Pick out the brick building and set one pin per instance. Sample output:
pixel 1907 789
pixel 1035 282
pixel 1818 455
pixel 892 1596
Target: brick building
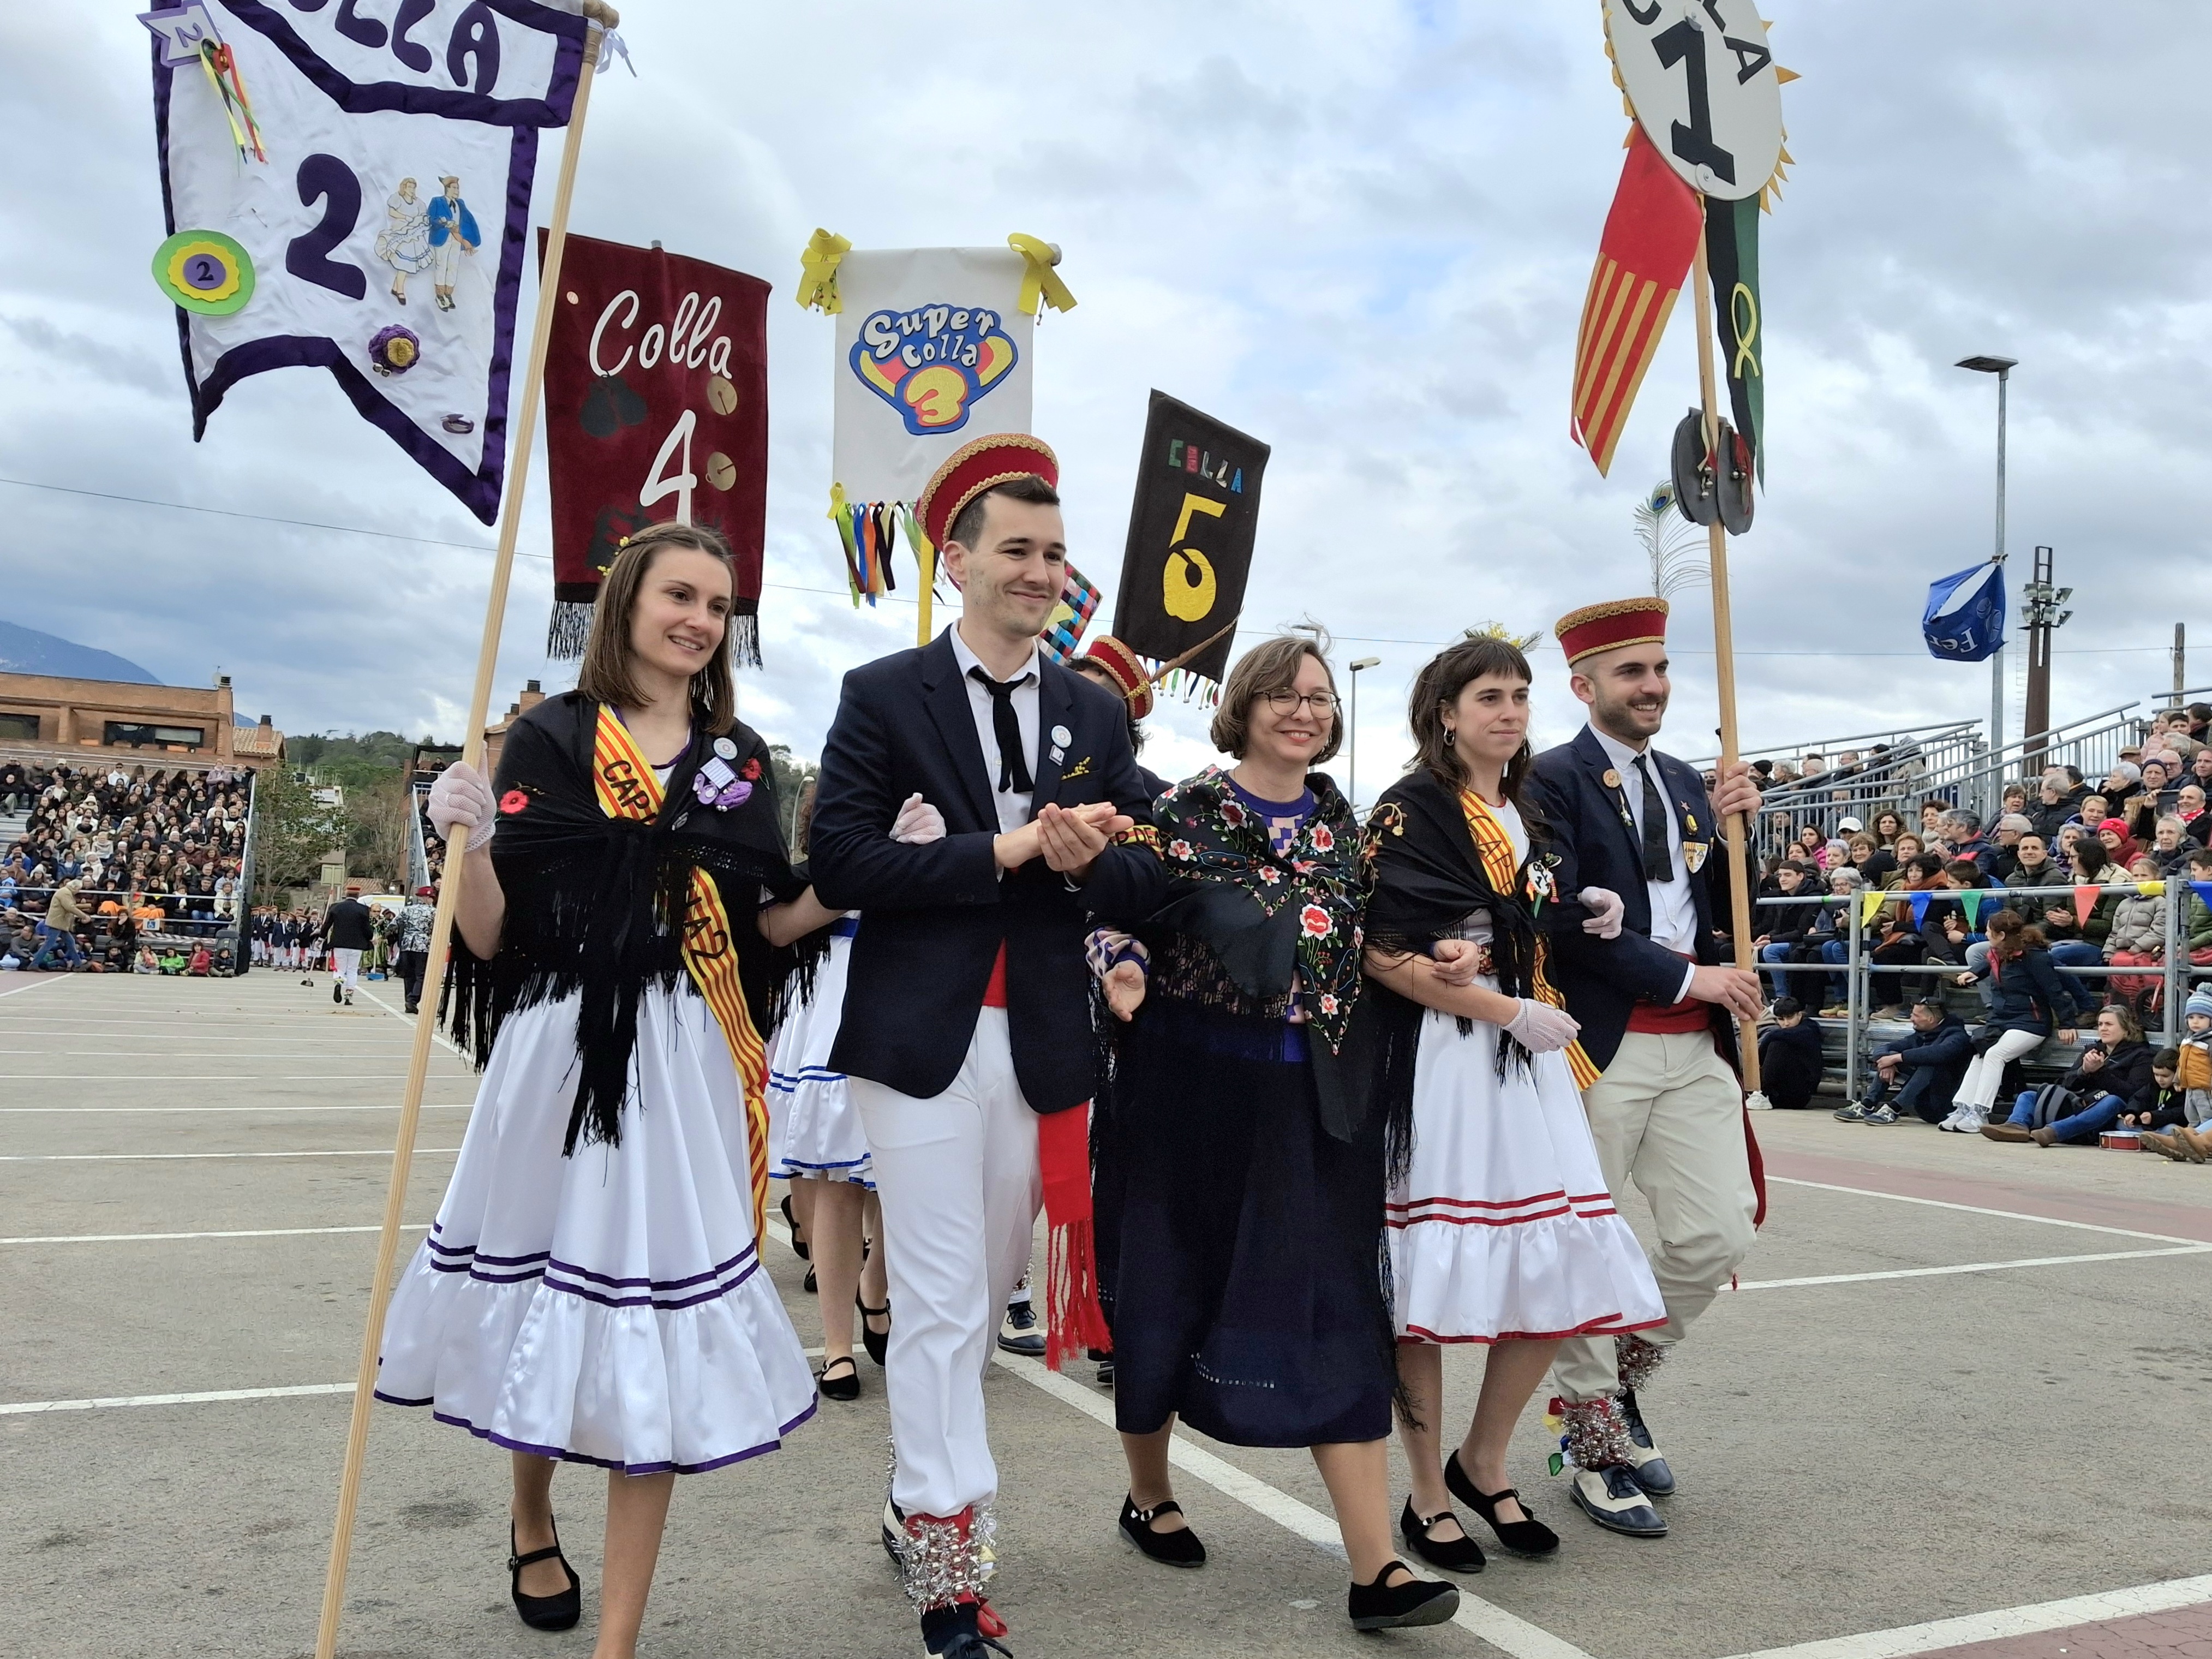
pixel 157 725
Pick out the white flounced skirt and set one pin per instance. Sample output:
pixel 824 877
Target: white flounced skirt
pixel 818 1128
pixel 1503 1229
pixel 608 1308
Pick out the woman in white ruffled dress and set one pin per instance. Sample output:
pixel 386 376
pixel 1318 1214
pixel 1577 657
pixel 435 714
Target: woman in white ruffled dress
pixel 1500 1230
pixel 592 1288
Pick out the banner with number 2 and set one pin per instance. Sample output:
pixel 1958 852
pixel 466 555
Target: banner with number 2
pixel 352 192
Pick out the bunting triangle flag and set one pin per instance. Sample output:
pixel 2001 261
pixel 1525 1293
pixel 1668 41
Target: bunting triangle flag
pixel 2085 901
pixel 2203 890
pixel 1868 903
pixel 1971 898
pixel 1919 908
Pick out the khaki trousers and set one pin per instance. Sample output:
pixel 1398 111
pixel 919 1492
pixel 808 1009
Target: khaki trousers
pixel 1668 1114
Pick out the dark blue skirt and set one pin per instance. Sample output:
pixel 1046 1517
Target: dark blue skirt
pixel 1247 1291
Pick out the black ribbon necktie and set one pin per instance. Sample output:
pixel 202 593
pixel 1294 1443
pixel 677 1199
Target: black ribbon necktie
pixel 1013 765
pixel 1658 857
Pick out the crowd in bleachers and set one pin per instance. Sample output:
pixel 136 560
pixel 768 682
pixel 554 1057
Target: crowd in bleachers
pixel 1997 920
pixel 121 868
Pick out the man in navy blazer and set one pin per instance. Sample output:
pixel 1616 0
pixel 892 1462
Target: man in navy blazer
pixel 1655 1057
pixel 966 1013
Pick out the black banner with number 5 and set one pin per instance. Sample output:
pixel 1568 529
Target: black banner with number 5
pixel 1191 531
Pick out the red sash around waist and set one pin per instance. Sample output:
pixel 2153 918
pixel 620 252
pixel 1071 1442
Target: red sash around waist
pixel 994 993
pixel 1670 1018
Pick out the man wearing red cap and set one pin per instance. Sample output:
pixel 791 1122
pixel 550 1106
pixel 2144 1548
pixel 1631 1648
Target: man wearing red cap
pixel 1655 1057
pixel 966 1033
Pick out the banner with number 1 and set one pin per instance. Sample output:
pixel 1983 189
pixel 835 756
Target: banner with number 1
pixel 350 189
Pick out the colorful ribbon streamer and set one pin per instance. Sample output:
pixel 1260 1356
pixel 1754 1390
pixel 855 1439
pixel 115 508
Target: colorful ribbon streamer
pixel 1040 281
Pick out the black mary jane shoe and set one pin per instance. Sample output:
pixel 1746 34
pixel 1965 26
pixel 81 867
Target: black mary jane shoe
pixel 798 1244
pixel 847 1387
pixel 1528 1536
pixel 1169 1549
pixel 1460 1554
pixel 559 1612
pixel 1385 1605
pixel 878 1343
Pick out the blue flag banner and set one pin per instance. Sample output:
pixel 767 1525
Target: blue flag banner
pixel 2203 890
pixel 1966 615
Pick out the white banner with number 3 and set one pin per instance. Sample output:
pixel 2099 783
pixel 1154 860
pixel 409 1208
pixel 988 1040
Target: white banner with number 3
pixel 386 228
pixel 933 351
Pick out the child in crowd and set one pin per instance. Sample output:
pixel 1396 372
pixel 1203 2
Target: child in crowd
pixel 2166 1111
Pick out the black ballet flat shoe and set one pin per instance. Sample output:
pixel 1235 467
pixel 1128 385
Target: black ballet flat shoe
pixel 1524 1537
pixel 559 1612
pixel 1460 1554
pixel 1410 1601
pixel 813 1285
pixel 798 1244
pixel 847 1387
pixel 875 1341
pixel 1169 1549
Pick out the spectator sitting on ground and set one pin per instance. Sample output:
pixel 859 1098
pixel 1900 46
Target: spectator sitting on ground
pixel 19 939
pixel 2168 1112
pixel 1789 1062
pixel 201 960
pixel 1931 1059
pixel 146 962
pixel 2112 1076
pixel 172 961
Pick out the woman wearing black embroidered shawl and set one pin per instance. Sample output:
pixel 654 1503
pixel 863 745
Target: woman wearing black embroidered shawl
pixel 590 1289
pixel 1501 1231
pixel 1245 1174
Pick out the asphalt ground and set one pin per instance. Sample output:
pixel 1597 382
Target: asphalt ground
pixel 1959 1400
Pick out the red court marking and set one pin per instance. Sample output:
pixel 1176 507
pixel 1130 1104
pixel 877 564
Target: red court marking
pixel 2182 1633
pixel 1992 1191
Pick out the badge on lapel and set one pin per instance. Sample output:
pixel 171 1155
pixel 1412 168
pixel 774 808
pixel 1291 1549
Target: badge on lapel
pixel 1611 780
pixel 1080 769
pixel 1693 854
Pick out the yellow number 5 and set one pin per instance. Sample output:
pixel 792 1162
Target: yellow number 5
pixel 1187 585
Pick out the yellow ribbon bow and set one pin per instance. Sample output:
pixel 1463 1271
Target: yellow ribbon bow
pixel 1040 281
pixel 817 279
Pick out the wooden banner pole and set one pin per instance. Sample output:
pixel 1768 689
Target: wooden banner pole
pixel 1735 829
pixel 1196 650
pixel 601 17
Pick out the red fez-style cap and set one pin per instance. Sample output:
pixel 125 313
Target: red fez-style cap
pixel 1128 674
pixel 974 467
pixel 1608 626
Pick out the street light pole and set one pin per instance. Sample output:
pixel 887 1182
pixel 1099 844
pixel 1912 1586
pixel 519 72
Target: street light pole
pixel 1352 769
pixel 2001 368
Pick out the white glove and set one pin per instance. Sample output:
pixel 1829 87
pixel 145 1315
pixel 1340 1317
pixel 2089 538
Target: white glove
pixel 1605 909
pixel 461 796
pixel 918 823
pixel 1540 1028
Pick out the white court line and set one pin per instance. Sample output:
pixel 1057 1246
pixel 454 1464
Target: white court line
pixel 18 990
pixel 146 1158
pixel 1941 1633
pixel 89 1111
pixel 258 1232
pixel 1969 1268
pixel 1507 1631
pixel 1977 1209
pixel 408 1020
pixel 27 1407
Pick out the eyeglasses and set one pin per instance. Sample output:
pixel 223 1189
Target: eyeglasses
pixel 1284 701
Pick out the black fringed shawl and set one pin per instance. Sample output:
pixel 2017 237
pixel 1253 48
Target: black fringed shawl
pixel 1428 877
pixel 595 903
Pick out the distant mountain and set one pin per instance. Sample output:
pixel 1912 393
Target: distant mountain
pixel 27 651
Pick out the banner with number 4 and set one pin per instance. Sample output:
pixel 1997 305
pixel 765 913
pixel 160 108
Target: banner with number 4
pixel 349 187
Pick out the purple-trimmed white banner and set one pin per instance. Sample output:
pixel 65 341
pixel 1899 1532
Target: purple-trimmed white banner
pixel 384 233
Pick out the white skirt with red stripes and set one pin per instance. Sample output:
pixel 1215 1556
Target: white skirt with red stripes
pixel 1502 1228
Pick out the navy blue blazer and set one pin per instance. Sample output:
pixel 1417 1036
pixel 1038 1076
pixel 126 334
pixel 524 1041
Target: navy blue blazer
pixel 932 917
pixel 1594 835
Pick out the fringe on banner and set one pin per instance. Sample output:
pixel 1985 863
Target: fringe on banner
pixel 568 628
pixel 868 531
pixel 1182 683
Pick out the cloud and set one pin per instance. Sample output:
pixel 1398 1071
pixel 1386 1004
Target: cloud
pixel 1362 235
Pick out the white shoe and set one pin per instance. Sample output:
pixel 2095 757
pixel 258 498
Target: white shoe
pixel 1971 1122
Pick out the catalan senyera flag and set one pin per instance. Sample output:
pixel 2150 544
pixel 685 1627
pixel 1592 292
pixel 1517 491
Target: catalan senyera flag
pixel 1651 238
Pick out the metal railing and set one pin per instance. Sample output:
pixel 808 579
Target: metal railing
pixel 2174 971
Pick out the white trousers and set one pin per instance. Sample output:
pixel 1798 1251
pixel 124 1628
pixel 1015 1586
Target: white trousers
pixel 958 1181
pixel 346 965
pixel 1668 1114
pixel 1978 1088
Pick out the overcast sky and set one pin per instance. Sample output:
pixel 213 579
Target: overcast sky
pixel 1361 233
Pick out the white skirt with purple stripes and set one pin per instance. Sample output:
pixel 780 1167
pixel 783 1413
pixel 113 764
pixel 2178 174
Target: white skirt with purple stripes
pixel 609 1307
pixel 817 1132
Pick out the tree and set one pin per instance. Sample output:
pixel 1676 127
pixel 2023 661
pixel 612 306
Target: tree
pixel 792 778
pixel 291 831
